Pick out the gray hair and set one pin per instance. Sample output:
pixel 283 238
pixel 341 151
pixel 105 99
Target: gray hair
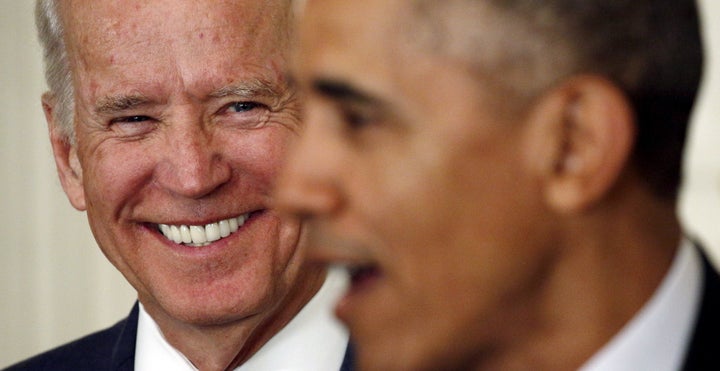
pixel 57 68
pixel 651 49
pixel 520 55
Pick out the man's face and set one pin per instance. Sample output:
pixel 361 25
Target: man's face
pixel 182 117
pixel 414 173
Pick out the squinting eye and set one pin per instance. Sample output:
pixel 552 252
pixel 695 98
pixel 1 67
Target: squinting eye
pixel 356 120
pixel 243 106
pixel 243 115
pixel 130 119
pixel 133 126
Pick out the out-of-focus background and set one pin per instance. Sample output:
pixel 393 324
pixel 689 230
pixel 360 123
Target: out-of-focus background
pixel 55 285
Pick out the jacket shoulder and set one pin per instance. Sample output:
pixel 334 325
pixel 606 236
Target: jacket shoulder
pixel 97 351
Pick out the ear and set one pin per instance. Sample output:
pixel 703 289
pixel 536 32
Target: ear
pixel 65 154
pixel 587 131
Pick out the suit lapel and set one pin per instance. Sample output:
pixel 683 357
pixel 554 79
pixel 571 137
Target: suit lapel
pixel 123 354
pixel 349 359
pixel 703 348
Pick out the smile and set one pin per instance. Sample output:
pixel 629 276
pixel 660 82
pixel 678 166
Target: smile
pixel 202 235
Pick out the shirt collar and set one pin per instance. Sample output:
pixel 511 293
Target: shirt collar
pixel 312 341
pixel 657 337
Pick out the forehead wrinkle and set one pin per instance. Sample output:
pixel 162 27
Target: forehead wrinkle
pixel 99 49
pixel 102 35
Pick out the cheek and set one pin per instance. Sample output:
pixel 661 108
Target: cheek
pixel 411 220
pixel 446 219
pixel 258 156
pixel 290 261
pixel 414 203
pixel 115 173
pixel 261 152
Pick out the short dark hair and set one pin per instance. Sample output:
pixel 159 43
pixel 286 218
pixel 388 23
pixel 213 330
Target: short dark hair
pixel 651 49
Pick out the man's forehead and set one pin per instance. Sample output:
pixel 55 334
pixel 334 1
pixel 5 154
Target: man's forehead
pixel 368 15
pixel 221 34
pixel 341 52
pixel 108 23
pixel 167 47
pixel 333 36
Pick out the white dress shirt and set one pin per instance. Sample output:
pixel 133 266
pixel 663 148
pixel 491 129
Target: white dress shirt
pixel 312 341
pixel 656 339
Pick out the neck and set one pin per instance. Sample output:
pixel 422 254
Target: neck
pixel 607 264
pixel 226 346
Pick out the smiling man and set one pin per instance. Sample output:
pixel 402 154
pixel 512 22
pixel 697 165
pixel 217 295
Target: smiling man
pixel 168 122
pixel 500 178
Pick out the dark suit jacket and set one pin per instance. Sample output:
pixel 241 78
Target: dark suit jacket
pixel 114 348
pixel 109 349
pixel 704 348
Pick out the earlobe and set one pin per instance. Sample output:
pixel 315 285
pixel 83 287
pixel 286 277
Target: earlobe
pixel 65 154
pixel 592 141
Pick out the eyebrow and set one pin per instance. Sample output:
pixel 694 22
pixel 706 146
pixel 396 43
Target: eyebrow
pixel 114 104
pixel 248 89
pixel 344 92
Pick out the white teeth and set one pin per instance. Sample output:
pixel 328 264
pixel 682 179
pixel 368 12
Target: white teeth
pixel 224 226
pixel 175 234
pixel 212 231
pixel 198 235
pixel 185 234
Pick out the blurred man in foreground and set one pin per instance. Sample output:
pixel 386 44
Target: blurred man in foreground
pixel 168 121
pixel 500 179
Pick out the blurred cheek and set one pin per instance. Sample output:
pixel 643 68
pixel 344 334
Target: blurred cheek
pixel 262 152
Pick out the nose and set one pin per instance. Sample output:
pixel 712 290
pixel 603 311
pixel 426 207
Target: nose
pixel 195 165
pixel 309 185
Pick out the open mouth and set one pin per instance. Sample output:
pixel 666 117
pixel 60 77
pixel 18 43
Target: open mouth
pixel 203 235
pixel 362 276
pixel 364 280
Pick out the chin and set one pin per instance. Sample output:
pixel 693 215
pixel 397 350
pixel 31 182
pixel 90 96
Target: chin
pixel 212 308
pixel 214 315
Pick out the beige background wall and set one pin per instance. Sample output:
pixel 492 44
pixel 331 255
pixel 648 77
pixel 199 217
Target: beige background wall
pixel 54 283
